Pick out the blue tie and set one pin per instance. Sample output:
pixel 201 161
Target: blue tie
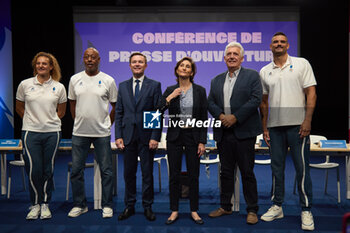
pixel 137 89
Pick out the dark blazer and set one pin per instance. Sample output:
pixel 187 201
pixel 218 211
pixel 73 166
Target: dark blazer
pixel 245 100
pixel 199 112
pixel 130 114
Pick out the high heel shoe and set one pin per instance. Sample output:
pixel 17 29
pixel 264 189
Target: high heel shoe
pixel 198 221
pixel 171 221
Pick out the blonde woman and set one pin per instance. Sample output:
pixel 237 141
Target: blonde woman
pixel 41 103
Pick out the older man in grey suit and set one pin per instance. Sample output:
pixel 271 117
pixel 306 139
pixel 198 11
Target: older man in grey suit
pixel 234 98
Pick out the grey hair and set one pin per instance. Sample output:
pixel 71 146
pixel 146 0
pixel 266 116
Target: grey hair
pixel 235 44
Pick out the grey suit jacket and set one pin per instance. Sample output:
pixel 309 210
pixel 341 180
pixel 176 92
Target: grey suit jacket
pixel 245 100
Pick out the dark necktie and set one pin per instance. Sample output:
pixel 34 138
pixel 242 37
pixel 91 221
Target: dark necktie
pixel 137 89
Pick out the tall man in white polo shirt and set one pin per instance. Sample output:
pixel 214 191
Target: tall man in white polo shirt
pixel 286 120
pixel 90 94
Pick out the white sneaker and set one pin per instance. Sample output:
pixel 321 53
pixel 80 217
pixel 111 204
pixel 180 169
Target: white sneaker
pixel 77 211
pixel 275 212
pixel 34 212
pixel 45 212
pixel 307 221
pixel 107 212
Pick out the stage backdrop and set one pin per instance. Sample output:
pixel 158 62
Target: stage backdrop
pixel 6 101
pixel 167 35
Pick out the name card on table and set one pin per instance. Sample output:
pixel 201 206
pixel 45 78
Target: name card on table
pixel 65 143
pixel 9 142
pixel 333 144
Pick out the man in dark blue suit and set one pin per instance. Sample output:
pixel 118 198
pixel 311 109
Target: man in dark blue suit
pixel 135 96
pixel 234 98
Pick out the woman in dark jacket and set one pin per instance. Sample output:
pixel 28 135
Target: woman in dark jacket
pixel 187 105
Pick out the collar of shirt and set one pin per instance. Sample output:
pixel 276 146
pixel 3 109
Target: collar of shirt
pixel 36 82
pixel 141 79
pixel 288 63
pixel 235 74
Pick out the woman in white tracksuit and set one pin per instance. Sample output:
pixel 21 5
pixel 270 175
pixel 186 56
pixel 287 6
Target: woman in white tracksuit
pixel 41 102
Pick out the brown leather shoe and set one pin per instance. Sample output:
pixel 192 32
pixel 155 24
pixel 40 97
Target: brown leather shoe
pixel 219 212
pixel 252 218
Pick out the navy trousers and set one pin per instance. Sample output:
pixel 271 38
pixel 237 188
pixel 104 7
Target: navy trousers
pixel 282 138
pixel 39 157
pixel 133 150
pixel 175 149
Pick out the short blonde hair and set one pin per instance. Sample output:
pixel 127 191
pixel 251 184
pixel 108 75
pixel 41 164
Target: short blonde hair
pixel 56 70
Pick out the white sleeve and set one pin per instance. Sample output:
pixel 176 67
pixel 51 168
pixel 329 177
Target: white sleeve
pixel 71 93
pixel 113 92
pixel 263 83
pixel 308 77
pixel 20 95
pixel 63 95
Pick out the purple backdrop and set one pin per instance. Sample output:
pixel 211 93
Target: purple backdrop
pixel 166 43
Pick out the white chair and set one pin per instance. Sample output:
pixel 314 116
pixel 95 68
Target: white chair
pixel 261 161
pixel 325 165
pixel 16 163
pixel 158 160
pixel 206 160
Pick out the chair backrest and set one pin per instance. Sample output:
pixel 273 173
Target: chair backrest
pixel 162 143
pixel 258 138
pixel 316 139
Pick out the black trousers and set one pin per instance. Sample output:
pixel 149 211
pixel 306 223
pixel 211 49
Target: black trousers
pixel 131 152
pixel 184 144
pixel 241 152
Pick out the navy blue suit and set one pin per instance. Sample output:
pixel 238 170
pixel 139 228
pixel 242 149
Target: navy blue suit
pixel 129 127
pixel 236 144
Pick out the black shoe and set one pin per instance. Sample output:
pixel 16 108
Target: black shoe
pixel 169 221
pixel 126 213
pixel 149 214
pixel 198 221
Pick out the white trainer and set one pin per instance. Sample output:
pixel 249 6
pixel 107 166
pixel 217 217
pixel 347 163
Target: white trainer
pixel 107 212
pixel 275 212
pixel 307 221
pixel 34 212
pixel 45 212
pixel 77 211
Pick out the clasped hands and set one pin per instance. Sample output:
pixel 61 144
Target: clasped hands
pixel 227 120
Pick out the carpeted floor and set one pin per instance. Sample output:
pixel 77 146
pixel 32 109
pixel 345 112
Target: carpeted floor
pixel 327 212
